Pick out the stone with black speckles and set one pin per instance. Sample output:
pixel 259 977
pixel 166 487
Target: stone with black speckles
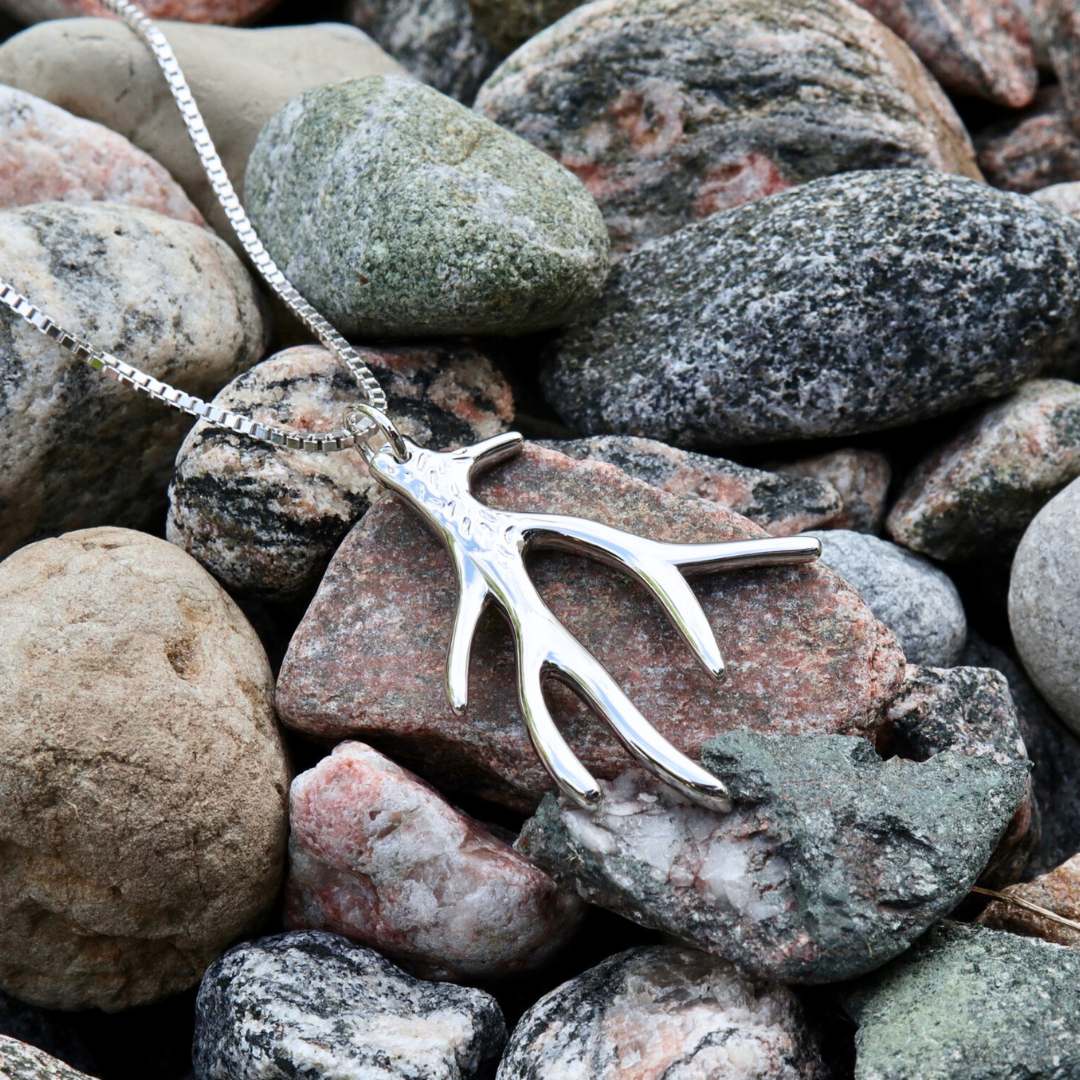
pixel 265 522
pixel 781 505
pixel 914 598
pixel 76 448
pixel 831 862
pixel 510 23
pixel 850 304
pixel 670 111
pixel 976 48
pixel 312 1004
pixel 399 213
pixel 860 477
pixel 20 1061
pixel 437 41
pixel 54 1032
pixel 664 1012
pixel 803 652
pixel 968 1003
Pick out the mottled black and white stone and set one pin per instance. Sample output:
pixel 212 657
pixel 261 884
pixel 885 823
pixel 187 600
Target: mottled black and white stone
pixel 437 41
pixel 671 110
pixel 967 1003
pixel 21 1061
pixel 782 505
pixel 917 601
pixel 401 214
pixel 48 1030
pixel 831 862
pixel 311 1004
pixel 266 523
pixel 850 304
pixel 664 1012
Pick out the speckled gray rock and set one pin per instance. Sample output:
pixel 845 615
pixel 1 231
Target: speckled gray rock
pixel 912 597
pixel 76 448
pixel 398 212
pixel 781 505
pixel 509 23
pixel 1055 756
pixel 776 320
pixel 20 1061
pixel 831 862
pixel 971 1004
pixel 975 496
pixel 1044 603
pixel 144 781
pixel 437 41
pixel 311 1004
pixel 663 1012
pixel 1063 197
pixel 97 68
pixel 671 110
pixel 860 477
pixel 266 523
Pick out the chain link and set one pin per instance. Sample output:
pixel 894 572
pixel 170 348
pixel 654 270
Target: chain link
pixel 241 225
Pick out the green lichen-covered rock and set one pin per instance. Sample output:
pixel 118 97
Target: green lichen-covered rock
pixel 400 213
pixel 971 1004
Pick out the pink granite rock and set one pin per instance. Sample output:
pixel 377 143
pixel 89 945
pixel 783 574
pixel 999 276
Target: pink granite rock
pixel 1063 197
pixel 226 12
pixel 980 48
pixel 804 653
pixel 1057 891
pixel 1061 26
pixel 1037 150
pixel 48 155
pixel 860 477
pixel 377 855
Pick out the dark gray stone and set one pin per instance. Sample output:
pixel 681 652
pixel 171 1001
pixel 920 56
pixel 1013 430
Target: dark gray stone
pixel 831 862
pixel 850 304
pixel 971 1004
pixel 310 1005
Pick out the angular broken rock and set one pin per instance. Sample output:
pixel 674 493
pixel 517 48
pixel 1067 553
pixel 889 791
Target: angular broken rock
pixel 831 862
pixel 803 652
pixel 265 523
pixel 377 855
pixel 1057 892
pixel 860 477
pixel 975 496
pixel 663 1012
pixel 671 110
pixel 782 506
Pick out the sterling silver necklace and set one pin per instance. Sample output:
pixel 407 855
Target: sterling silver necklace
pixel 487 546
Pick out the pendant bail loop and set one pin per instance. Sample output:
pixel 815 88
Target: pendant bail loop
pixel 374 431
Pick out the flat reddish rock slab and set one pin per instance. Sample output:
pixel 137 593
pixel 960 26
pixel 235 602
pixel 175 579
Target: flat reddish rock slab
pixel 804 653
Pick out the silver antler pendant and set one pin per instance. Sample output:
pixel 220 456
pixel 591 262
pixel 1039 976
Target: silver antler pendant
pixel 488 549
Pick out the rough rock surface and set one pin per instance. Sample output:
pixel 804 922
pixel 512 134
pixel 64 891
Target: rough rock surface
pixel 46 155
pixel 99 69
pixel 663 1012
pixel 437 41
pixel 1063 197
pixel 1060 23
pixel 781 506
pixel 510 23
pixel 377 855
pixel 20 1061
pixel 860 477
pixel 198 11
pixel 367 191
pixel 265 522
pixel 144 821
pixel 314 1004
pixel 778 320
pixel 1044 603
pixel 45 1029
pixel 1057 891
pixel 978 48
pixel 803 652
pixel 912 597
pixel 937 1012
pixel 671 110
pixel 831 862
pixel 975 496
pixel 76 448
pixel 969 710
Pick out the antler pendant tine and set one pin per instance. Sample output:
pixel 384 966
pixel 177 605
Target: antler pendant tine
pixel 472 597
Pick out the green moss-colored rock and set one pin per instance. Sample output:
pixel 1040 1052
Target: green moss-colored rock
pixel 400 213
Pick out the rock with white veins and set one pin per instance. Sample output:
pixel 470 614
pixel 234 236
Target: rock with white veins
pixel 77 448
pixel 265 522
pixel 315 1005
pixel 377 855
pixel 663 1012
pixel 831 862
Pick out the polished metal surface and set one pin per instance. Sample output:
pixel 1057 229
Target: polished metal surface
pixel 488 548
